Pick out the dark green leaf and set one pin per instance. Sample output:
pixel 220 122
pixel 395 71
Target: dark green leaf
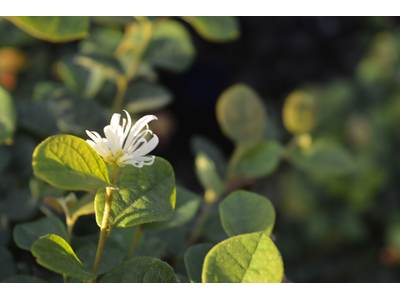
pixel 85 206
pixel 54 253
pixel 215 28
pixel 27 233
pixel 247 258
pixel 23 279
pixel 110 258
pixel 261 160
pixel 241 114
pixel 246 212
pixel 213 230
pixel 18 205
pixel 194 259
pixel 54 29
pixel 141 270
pixel 69 162
pixel 102 40
pixel 7 264
pixel 144 96
pixel 187 204
pixel 323 158
pixel 8 117
pixel 144 195
pixel 41 189
pixel 170 47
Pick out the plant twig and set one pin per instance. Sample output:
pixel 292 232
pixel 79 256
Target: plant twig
pixel 104 231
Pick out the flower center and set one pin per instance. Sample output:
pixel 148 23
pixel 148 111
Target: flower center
pixel 113 159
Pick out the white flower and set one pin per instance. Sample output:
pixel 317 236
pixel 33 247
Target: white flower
pixel 125 145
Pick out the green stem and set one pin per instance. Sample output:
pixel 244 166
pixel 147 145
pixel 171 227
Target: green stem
pixel 65 278
pixel 147 29
pixel 119 97
pixel 138 233
pixel 104 231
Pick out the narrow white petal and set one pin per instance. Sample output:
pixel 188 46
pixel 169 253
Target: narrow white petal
pixel 112 137
pixel 137 128
pixel 92 135
pixel 90 142
pixel 128 125
pixel 115 120
pixel 131 145
pixel 100 150
pixel 110 145
pixel 146 147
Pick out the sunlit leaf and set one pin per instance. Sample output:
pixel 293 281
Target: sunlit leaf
pixel 246 212
pixel 241 114
pixel 207 174
pixel 248 258
pixel 68 162
pixel 141 270
pixel 299 112
pixel 144 195
pixel 54 253
pixel 53 29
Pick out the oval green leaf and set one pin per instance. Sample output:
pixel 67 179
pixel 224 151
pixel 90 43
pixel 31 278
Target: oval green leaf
pixel 246 212
pixel 170 47
pixel 141 270
pixel 8 117
pixel 110 258
pixel 27 233
pixel 144 96
pixel 261 160
pixel 187 204
pixel 8 267
pixel 144 195
pixel 194 259
pixel 241 114
pixel 248 258
pixel 54 29
pixel 215 28
pixel 70 163
pixel 323 158
pixel 55 254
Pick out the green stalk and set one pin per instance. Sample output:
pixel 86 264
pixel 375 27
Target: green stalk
pixel 104 231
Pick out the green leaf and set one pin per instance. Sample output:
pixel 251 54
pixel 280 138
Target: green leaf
pixel 54 29
pixel 206 172
pixel 215 28
pixel 323 158
pixel 27 233
pixel 213 230
pixel 23 279
pixel 8 117
pixel 54 253
pixel 7 264
pixel 110 258
pixel 187 204
pixel 144 195
pixel 194 259
pixel 141 270
pixel 246 212
pixel 247 258
pixel 144 96
pixel 70 163
pixel 261 160
pixel 170 47
pixel 102 40
pixel 18 205
pixel 40 189
pixel 299 112
pixel 241 114
pixel 201 144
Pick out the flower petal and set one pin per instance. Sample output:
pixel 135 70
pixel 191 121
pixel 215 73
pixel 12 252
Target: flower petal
pixel 137 128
